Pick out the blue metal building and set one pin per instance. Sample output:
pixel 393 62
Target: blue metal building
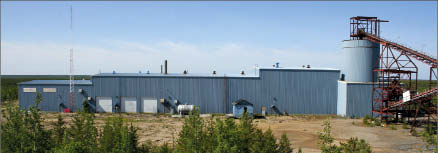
pixel 354 98
pixel 293 90
pixel 288 90
pixel 55 94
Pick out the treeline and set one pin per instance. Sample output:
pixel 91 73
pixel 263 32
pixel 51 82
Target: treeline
pixel 23 131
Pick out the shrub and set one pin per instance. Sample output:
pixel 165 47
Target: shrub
pixel 356 146
pixel 365 120
pixel 326 139
pixel 405 126
pixel 285 146
pixel 377 122
pixel 352 146
pixel 414 132
pixel 429 136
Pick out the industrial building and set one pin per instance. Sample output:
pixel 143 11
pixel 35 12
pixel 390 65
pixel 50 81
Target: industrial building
pixel 352 91
pixel 301 90
pixel 293 90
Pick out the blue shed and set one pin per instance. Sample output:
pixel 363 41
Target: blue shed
pixel 241 106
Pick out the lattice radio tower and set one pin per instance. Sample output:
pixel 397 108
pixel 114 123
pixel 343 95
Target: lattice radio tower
pixel 72 84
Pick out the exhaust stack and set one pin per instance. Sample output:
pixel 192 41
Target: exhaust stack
pixel 165 67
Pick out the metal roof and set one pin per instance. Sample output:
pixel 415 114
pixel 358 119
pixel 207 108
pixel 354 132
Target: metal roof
pixel 171 75
pixel 58 82
pixel 242 102
pixel 299 68
pixel 247 75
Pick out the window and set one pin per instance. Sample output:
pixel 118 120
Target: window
pixel 29 89
pixel 49 89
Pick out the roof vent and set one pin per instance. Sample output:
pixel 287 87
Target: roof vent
pixel 304 66
pixel 185 71
pixel 277 65
pixel 147 72
pixel 139 72
pixel 308 66
pixel 114 72
pixel 243 72
pixel 214 72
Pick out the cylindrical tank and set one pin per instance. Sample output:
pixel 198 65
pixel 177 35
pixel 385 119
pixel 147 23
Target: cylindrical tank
pixel 360 56
pixel 184 109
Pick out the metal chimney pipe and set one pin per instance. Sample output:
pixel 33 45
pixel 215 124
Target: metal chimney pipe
pixel 161 69
pixel 165 66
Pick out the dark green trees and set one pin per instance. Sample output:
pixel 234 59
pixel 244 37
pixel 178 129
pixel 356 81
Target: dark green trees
pixel 220 136
pixel 23 130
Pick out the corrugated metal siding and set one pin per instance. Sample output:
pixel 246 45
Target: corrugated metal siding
pixel 52 100
pixel 359 99
pixel 360 58
pixel 296 91
pixel 342 98
pixel 207 93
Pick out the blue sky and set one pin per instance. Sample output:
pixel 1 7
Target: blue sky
pixel 198 36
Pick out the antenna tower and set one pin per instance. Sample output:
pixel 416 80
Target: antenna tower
pixel 72 84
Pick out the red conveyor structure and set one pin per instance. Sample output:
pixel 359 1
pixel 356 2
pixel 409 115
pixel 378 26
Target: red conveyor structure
pixel 396 73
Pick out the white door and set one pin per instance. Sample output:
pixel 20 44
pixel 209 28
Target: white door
pixel 129 104
pixel 104 104
pixel 149 105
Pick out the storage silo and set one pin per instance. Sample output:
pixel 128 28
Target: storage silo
pixel 360 57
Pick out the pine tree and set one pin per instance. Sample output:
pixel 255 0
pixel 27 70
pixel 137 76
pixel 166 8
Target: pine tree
pixel 244 134
pixel 82 135
pixel 190 137
pixel 270 142
pixel 209 142
pixel 14 137
pixel 326 139
pixel 58 131
pixel 225 132
pixel 285 146
pixel 108 136
pixel 24 131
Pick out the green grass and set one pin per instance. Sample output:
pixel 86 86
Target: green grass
pixel 422 85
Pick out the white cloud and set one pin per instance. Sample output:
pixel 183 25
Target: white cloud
pixel 123 56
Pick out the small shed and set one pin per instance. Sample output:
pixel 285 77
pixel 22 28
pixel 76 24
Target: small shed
pixel 240 106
